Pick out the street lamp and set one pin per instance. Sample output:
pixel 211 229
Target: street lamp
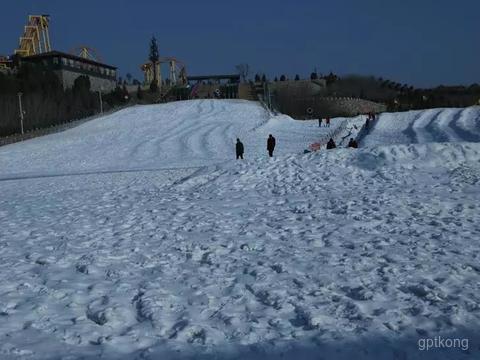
pixel 101 101
pixel 21 111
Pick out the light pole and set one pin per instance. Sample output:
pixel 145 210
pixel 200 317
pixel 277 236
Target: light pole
pixel 101 101
pixel 21 111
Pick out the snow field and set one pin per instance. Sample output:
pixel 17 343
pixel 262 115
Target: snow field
pixel 338 254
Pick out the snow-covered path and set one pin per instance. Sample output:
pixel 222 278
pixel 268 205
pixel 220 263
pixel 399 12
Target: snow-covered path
pixel 331 255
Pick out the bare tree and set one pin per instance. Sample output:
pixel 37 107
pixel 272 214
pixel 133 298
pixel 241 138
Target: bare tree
pixel 243 70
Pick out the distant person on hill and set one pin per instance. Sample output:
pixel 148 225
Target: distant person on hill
pixel 352 143
pixel 331 144
pixel 327 122
pixel 320 122
pixel 239 149
pixel 367 124
pixel 270 145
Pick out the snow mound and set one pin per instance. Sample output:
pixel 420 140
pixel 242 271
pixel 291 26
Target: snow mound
pixel 426 126
pixel 314 172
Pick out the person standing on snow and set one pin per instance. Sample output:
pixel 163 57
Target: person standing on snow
pixel 352 143
pixel 320 122
pixel 331 144
pixel 239 149
pixel 367 124
pixel 327 122
pixel 270 145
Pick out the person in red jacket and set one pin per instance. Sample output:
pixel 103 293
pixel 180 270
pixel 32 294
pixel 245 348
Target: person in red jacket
pixel 270 145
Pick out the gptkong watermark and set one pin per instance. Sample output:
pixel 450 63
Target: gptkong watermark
pixel 439 342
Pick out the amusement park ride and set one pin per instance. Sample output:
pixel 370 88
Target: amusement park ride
pixel 86 52
pixel 34 40
pixel 177 72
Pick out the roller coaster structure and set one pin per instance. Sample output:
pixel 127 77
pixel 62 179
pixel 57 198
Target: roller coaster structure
pixel 36 37
pixel 177 71
pixel 86 52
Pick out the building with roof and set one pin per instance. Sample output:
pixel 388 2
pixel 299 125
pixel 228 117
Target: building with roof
pixel 69 67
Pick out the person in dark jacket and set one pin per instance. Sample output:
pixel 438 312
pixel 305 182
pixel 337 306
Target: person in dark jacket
pixel 327 122
pixel 367 124
pixel 331 144
pixel 270 145
pixel 239 149
pixel 320 122
pixel 352 143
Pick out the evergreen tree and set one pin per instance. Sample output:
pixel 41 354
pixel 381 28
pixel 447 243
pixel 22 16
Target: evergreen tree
pixel 257 78
pixel 264 78
pixel 297 77
pixel 153 57
pixel 283 78
pixel 314 76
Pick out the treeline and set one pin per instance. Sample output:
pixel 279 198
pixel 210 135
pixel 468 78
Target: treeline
pixel 45 102
pixel 442 96
pixel 330 78
pixel 396 96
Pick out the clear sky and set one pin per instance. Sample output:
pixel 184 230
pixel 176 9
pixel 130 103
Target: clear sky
pixel 419 42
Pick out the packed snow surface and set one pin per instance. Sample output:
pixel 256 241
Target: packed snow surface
pixel 138 236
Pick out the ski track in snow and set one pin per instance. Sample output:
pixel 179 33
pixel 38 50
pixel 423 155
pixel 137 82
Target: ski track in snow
pixel 334 254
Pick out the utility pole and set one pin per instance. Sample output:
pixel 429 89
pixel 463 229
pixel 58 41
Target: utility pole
pixel 21 111
pixel 101 101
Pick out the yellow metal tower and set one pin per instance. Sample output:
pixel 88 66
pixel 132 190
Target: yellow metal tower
pixel 177 71
pixel 86 52
pixel 36 38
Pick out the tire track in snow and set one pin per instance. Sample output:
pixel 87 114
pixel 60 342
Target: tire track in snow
pixel 409 131
pixel 98 172
pixel 420 125
pixel 467 127
pixel 436 128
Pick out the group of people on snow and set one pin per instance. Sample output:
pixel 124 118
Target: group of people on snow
pixel 327 122
pixel 330 144
pixel 370 118
pixel 271 142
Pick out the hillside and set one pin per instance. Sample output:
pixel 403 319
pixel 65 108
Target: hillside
pixel 179 134
pixel 137 236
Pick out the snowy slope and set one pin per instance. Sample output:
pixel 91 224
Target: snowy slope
pixel 336 255
pixel 180 134
pixel 435 125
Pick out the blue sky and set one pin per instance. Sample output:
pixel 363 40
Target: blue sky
pixel 419 42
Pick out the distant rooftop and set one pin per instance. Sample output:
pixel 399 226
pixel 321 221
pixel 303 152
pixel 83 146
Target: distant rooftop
pixel 68 56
